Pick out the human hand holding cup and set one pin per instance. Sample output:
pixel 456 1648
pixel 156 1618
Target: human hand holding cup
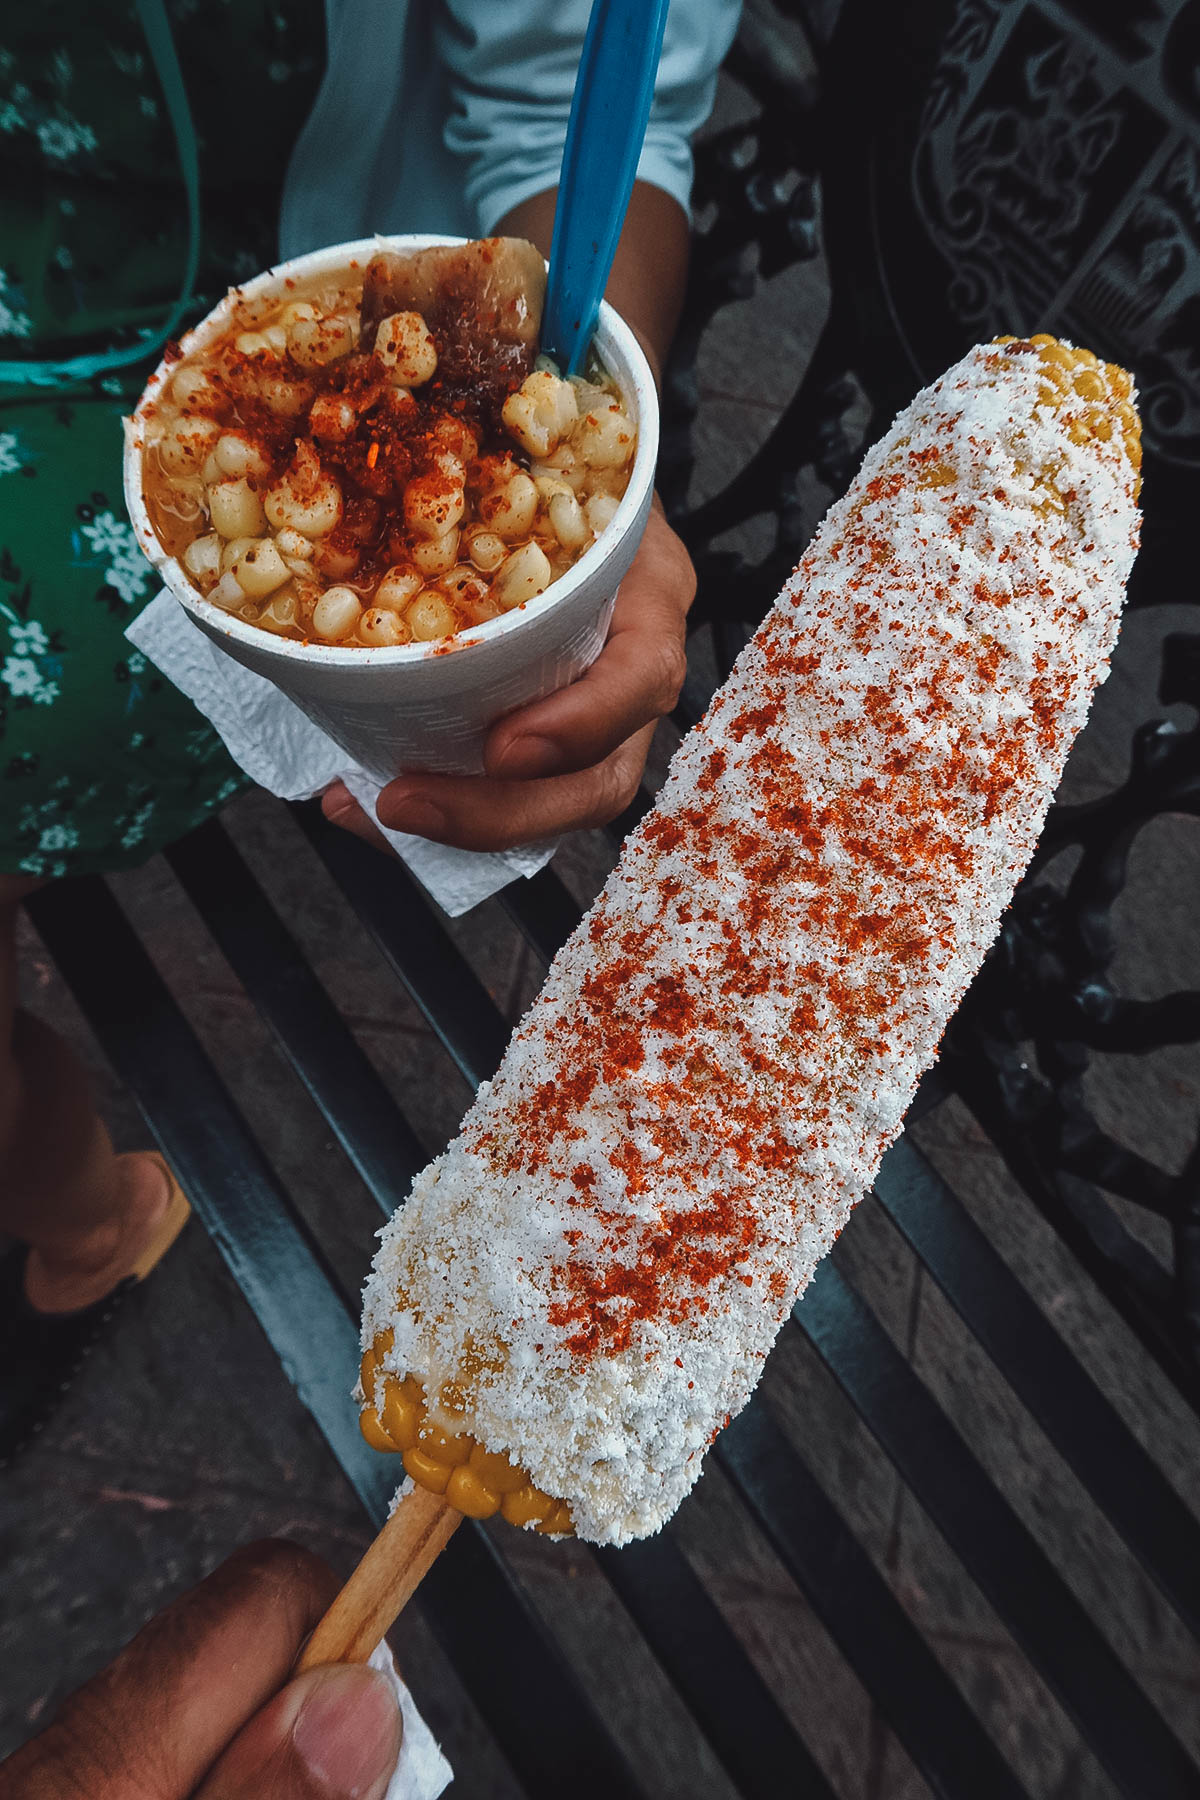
pixel 430 707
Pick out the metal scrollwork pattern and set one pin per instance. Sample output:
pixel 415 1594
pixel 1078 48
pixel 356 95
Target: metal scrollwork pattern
pixel 1060 178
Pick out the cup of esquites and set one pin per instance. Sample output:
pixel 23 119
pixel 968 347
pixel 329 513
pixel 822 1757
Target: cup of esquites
pixel 360 482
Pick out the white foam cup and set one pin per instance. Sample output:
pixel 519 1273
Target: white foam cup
pixel 420 706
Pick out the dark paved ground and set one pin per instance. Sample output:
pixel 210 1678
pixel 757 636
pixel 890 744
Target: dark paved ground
pixel 183 1439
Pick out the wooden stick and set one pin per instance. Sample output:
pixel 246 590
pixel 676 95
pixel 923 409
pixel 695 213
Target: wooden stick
pixel 384 1581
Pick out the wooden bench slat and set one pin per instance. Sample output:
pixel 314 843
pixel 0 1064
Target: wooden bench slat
pixel 921 1703
pixel 728 1698
pixel 1126 1732
pixel 1084 1427
pixel 372 1130
pixel 392 906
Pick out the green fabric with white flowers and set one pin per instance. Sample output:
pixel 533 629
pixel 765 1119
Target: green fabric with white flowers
pixel 102 761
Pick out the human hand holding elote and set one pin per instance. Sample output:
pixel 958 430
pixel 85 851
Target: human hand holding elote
pixel 194 1707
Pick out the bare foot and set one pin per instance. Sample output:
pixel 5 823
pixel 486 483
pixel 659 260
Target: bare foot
pixel 95 1265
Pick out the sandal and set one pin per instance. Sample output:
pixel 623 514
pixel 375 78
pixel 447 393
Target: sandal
pixel 41 1353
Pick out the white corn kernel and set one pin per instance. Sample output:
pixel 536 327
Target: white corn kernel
pixel 433 556
pixel 398 587
pixel 494 471
pixel 430 617
pixel 296 310
pixel 599 510
pixel 433 504
pixel 235 509
pixel 260 569
pixel 314 342
pixel 566 517
pixel 287 399
pixel 589 394
pixel 604 438
pixel 406 350
pixel 485 548
pixel 463 583
pixel 185 446
pixel 233 549
pixel 237 454
pixel 293 543
pixel 378 626
pixel 336 613
pixel 228 594
pixel 511 510
pixel 336 562
pixel 526 573
pixel 306 499
pixel 332 417
pixel 524 422
pixel 277 337
pixel 541 412
pixel 456 435
pixel 252 343
pixel 279 614
pixel 562 466
pixel 202 558
pixel 195 388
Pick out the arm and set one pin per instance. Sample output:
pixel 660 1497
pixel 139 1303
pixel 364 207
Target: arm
pixel 650 270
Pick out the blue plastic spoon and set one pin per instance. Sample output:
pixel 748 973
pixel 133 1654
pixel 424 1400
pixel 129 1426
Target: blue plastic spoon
pixel 611 104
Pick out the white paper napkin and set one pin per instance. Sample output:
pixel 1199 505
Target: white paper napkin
pixel 282 750
pixel 422 1771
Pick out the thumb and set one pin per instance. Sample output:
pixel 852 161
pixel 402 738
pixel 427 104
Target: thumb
pixel 332 1734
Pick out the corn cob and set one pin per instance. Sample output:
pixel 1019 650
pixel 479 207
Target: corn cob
pixel 582 1290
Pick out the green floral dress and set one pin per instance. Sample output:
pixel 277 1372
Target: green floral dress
pixel 102 761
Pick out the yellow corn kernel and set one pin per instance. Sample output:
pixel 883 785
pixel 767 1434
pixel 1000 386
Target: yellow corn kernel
pixel 527 1506
pixel 1057 356
pixel 937 475
pixel 495 1471
pixel 441 1447
pixel 399 1415
pixel 372 1430
pixel 1099 422
pixel 1006 340
pixel 1089 385
pixel 476 1481
pixel 467 1493
pixel 426 1472
pixel 557 1522
pixel 1042 338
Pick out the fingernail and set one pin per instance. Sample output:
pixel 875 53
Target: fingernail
pixel 348 1731
pixel 527 756
pixel 421 817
